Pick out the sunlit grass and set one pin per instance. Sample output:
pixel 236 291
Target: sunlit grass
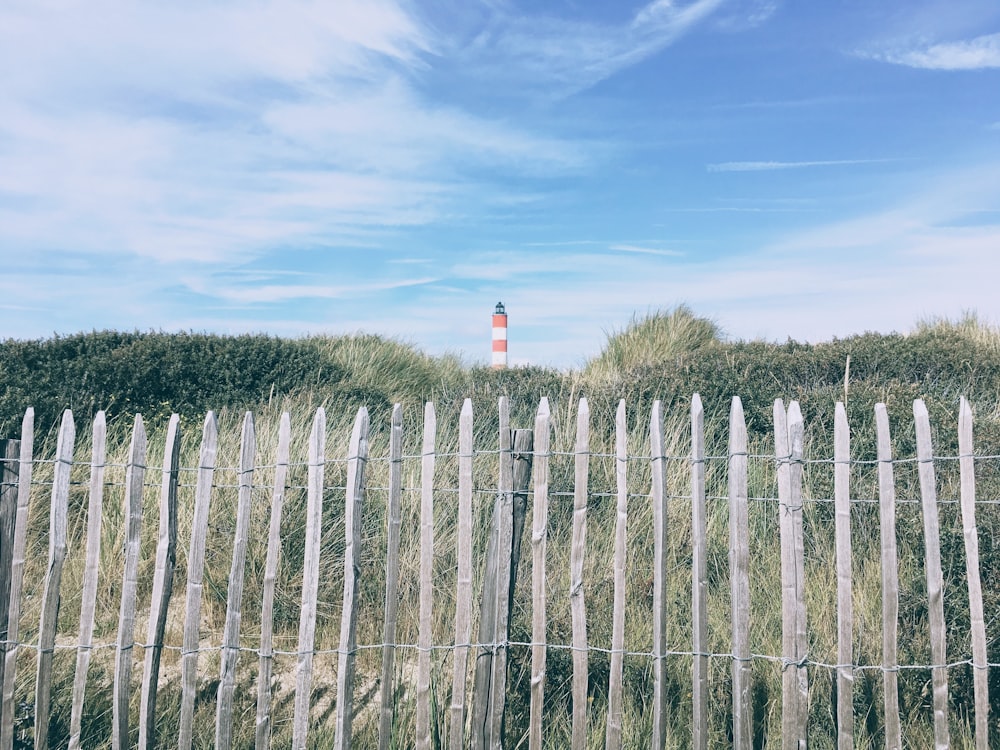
pixel 395 372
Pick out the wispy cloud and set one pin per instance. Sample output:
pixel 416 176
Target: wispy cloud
pixel 747 14
pixel 970 54
pixel 564 243
pixel 573 55
pixel 201 50
pixel 766 166
pixel 646 250
pixel 246 129
pixel 271 293
pixel 738 210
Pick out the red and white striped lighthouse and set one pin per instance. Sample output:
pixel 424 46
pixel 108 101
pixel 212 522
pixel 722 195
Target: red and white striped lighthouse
pixel 499 337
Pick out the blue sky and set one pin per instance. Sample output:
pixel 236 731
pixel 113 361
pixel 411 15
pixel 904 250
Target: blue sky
pixel 801 170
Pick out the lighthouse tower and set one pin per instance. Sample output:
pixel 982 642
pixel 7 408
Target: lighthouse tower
pixel 499 337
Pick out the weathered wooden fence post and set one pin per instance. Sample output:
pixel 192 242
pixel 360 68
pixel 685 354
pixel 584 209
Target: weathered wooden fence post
pixel 425 634
pixel 387 694
pixel 231 633
pixel 659 499
pixel 357 461
pixel 135 472
pixel 890 580
pixel 935 576
pixel 9 450
pixel 699 580
pixel 310 580
pixel 266 661
pixel 59 510
pixel 163 582
pixel 788 437
pixel 463 588
pixel 482 720
pixel 578 609
pixel 88 602
pixel 24 469
pixel 195 578
pixel 739 574
pixel 539 531
pixel 845 582
pixel 977 623
pixel 503 555
pixel 613 732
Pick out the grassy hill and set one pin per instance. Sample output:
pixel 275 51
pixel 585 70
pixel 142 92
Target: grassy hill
pixel 666 356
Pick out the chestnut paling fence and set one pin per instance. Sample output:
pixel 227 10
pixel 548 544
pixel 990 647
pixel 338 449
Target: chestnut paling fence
pixel 407 622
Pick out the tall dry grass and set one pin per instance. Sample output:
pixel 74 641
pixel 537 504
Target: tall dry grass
pixel 391 368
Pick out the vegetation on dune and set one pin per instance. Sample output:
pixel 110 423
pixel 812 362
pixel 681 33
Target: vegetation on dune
pixel 666 356
pixel 659 338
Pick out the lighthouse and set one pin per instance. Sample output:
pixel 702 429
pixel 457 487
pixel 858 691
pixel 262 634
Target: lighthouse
pixel 499 337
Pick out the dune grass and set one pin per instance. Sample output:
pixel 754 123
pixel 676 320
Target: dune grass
pixel 938 361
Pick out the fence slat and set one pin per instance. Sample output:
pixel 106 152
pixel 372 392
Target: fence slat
pixel 88 601
pixel 195 572
pixel 357 461
pixel 163 583
pixel 789 693
pixel 659 499
pixel 699 580
pixel 425 635
pixel 845 583
pixel 504 584
pixel 463 587
pixel 539 530
pixel 970 532
pixel 794 688
pixel 515 463
pixel 486 724
pixel 739 573
pixel 266 661
pixel 935 578
pixel 310 580
pixel 576 594
pixel 613 735
pixel 387 697
pixel 50 598
pixel 230 651
pixel 523 447
pixel 890 580
pixel 796 440
pixel 135 473
pixel 8 513
pixel 24 467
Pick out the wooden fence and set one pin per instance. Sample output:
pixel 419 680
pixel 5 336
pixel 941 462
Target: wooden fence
pixel 470 704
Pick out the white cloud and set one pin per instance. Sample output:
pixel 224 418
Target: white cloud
pixel 766 166
pixel 737 209
pixel 646 250
pixel 559 54
pixel 217 133
pixel 185 46
pixel 270 293
pixel 747 14
pixel 387 128
pixel 972 54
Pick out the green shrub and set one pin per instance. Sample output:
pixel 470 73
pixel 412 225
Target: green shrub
pixel 152 373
